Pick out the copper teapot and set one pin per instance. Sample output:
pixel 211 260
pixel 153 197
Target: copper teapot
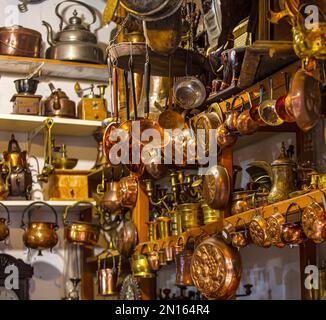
pixel 4 230
pixel 282 173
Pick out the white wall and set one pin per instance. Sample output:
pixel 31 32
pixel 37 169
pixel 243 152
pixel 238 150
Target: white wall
pixel 48 281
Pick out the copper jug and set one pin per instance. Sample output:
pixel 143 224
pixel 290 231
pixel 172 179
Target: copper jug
pixel 282 173
pixel 112 200
pixel 153 258
pixel 107 278
pixel 183 264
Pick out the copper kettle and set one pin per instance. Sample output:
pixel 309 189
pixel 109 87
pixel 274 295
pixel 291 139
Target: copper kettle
pixel 282 174
pixel 58 104
pixel 4 230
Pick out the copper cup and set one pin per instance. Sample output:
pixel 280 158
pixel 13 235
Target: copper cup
pixel 169 253
pixel 162 257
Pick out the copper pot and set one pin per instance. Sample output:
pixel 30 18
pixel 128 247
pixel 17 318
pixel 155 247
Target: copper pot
pixel 39 235
pixel 216 269
pixel 245 124
pixel 19 41
pixel 313 221
pixel 224 137
pixel 292 233
pixel 4 230
pixel 80 232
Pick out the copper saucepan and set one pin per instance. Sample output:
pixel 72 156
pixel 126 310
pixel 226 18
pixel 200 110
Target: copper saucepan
pixel 305 100
pixel 280 106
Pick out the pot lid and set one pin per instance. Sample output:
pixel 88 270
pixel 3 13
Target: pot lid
pixel 283 158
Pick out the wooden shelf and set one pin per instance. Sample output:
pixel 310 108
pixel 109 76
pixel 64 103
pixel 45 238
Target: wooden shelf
pixel 54 68
pixel 62 126
pixel 21 204
pixel 246 217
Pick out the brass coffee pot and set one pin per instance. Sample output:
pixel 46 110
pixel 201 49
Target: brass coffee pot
pixel 282 172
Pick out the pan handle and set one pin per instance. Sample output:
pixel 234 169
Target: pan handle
pixel 115 93
pixel 66 211
pixel 147 74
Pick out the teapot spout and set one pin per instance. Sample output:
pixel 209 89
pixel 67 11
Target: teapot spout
pixel 49 29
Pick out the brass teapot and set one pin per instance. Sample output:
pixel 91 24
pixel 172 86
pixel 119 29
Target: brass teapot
pixel 282 172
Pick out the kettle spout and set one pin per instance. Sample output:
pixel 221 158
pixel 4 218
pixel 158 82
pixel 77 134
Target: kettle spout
pixel 49 29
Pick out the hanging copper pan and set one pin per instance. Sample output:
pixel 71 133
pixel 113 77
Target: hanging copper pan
pixel 280 106
pixel 305 100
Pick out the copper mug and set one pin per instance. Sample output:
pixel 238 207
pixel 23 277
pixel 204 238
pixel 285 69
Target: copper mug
pixel 153 258
pixel 169 253
pixel 183 266
pixel 107 278
pixel 162 257
pixel 292 232
pixel 178 248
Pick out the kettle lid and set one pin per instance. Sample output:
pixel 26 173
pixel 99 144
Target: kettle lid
pixel 13 146
pixel 283 158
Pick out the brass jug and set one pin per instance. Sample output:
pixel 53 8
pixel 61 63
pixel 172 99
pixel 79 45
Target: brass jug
pixel 282 173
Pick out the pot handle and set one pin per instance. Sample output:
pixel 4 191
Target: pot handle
pixel 40 203
pixel 261 94
pixel 89 8
pixel 7 211
pixel 66 211
pixel 177 243
pixel 293 204
pixel 106 257
pixel 242 102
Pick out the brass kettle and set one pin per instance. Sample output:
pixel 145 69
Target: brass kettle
pixel 282 173
pixel 4 230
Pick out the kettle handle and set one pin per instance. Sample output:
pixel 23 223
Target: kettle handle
pixel 65 212
pixel 293 204
pixel 41 203
pixel 7 211
pixel 89 8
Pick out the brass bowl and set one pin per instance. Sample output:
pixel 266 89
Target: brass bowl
pixel 65 163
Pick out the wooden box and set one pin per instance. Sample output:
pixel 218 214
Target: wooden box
pixel 67 185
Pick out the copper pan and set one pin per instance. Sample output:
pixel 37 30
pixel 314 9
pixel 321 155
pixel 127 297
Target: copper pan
pixel 305 100
pixel 280 106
